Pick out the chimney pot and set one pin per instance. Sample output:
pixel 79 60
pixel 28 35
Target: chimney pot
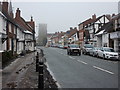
pixel 17 12
pixel 113 15
pixel 94 16
pixel 71 28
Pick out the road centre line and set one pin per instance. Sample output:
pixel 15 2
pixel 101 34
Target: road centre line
pixel 82 62
pixel 103 70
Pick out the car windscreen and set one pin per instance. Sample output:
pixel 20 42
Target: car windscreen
pixel 109 49
pixel 97 48
pixel 74 46
pixel 88 46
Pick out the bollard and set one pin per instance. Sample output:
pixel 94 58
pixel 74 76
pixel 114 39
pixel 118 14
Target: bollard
pixel 37 61
pixel 41 51
pixel 41 78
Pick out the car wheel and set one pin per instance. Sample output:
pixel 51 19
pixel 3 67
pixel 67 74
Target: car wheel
pixel 67 53
pixel 79 53
pixel 82 52
pixel 70 53
pixel 97 56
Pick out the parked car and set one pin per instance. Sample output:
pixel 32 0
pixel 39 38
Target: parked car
pixel 65 46
pixel 61 46
pixel 94 51
pixel 73 49
pixel 55 45
pixel 86 48
pixel 107 53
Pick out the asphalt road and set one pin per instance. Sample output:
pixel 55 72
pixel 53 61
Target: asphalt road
pixel 81 71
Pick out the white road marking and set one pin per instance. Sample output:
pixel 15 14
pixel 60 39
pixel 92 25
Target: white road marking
pixel 71 57
pixel 58 84
pixel 103 70
pixel 82 61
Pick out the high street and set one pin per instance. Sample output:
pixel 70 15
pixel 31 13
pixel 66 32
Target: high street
pixel 81 71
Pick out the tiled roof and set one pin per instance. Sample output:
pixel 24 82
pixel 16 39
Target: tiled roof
pixel 9 18
pixel 72 33
pixel 88 21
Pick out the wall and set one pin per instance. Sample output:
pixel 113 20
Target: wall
pixel 99 41
pixel 20 43
pixel 105 40
pixel 2 30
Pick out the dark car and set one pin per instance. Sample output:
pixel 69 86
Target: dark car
pixel 73 49
pixel 86 48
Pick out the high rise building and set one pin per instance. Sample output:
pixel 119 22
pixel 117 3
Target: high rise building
pixel 42 34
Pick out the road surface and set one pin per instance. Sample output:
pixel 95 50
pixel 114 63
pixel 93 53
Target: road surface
pixel 81 71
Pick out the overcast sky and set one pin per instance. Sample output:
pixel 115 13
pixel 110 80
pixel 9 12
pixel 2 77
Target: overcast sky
pixel 60 16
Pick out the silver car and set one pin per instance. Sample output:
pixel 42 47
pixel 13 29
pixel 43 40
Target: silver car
pixel 94 51
pixel 73 49
pixel 86 48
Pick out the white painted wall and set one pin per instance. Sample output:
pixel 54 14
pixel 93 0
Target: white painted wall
pixel 99 41
pixel 74 37
pixel 2 30
pixel 105 39
pixel 30 44
pixel 116 45
pixel 20 43
pixel 20 34
pixel 10 44
pixel 20 47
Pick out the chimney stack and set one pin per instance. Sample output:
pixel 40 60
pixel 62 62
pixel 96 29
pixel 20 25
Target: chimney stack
pixel 5 6
pixel 94 17
pixel 75 28
pixel 71 28
pixel 108 16
pixel 31 19
pixel 18 13
pixel 113 15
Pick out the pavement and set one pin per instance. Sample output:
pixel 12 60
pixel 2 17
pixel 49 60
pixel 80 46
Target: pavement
pixel 81 71
pixel 20 73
